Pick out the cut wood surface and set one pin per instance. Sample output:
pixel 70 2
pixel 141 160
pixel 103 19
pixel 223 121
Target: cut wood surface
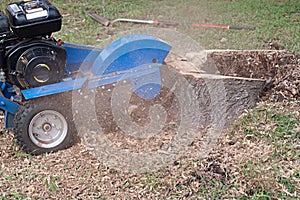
pixel 234 93
pixel 246 75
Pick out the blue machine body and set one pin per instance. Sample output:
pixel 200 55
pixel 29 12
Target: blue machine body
pixel 134 57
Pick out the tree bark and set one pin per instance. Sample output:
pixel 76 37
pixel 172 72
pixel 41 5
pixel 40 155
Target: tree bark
pixel 228 96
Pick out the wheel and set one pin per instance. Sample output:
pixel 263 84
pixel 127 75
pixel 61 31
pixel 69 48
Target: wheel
pixel 45 125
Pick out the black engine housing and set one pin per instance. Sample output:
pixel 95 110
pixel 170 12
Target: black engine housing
pixel 29 56
pixel 35 63
pixel 4 25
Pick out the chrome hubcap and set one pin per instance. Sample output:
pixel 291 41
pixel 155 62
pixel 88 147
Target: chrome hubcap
pixel 48 129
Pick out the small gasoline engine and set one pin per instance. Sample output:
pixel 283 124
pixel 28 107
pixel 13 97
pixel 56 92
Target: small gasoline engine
pixel 29 56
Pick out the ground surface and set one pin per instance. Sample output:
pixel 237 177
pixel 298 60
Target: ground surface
pixel 257 158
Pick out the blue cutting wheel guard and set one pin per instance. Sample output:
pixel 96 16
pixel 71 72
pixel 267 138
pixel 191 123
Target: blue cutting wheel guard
pixel 137 57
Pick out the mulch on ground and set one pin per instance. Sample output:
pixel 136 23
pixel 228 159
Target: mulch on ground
pixel 75 173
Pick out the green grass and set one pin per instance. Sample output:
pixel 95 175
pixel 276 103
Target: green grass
pixel 80 28
pixel 276 130
pixel 280 124
pixel 51 183
pixel 276 22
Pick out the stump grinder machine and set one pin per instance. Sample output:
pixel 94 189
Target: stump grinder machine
pixel 38 73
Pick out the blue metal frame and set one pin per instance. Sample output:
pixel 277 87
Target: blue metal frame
pixel 7 104
pixel 77 54
pixel 135 57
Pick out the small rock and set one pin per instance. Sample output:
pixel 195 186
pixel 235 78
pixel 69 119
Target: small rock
pixel 223 40
pixel 31 190
pixel 294 91
pixel 132 108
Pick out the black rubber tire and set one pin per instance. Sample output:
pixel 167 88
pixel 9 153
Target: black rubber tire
pixel 60 103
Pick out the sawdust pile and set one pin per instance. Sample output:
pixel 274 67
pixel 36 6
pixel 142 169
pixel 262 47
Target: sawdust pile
pixel 281 70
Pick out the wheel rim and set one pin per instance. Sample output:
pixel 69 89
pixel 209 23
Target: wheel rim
pixel 48 129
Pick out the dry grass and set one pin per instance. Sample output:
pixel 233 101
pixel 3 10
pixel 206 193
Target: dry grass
pixel 257 158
